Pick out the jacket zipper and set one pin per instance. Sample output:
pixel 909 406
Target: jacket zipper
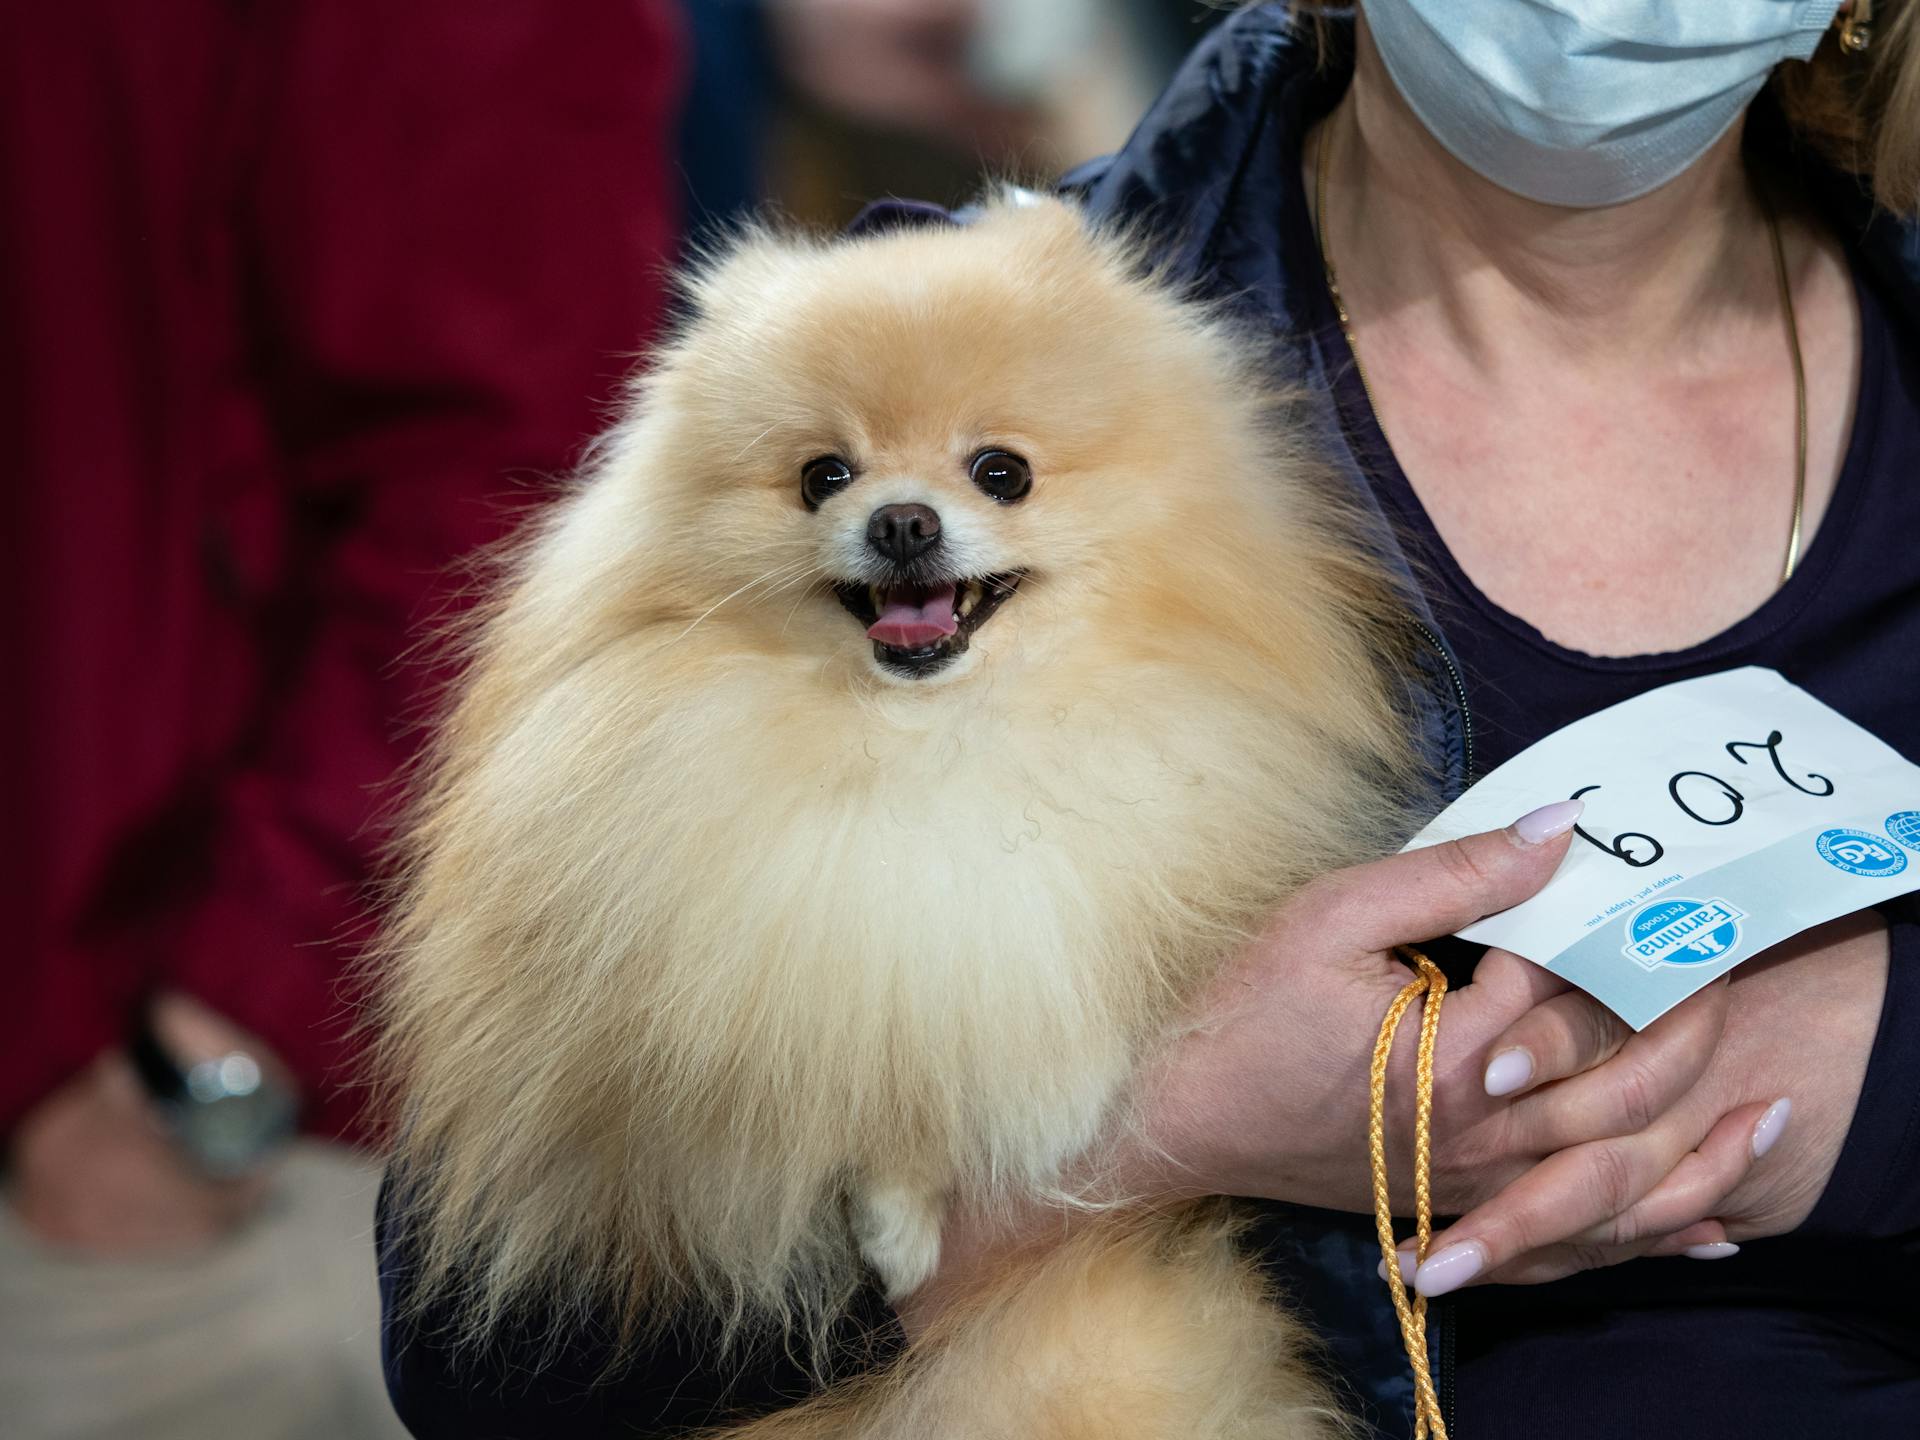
pixel 1459 696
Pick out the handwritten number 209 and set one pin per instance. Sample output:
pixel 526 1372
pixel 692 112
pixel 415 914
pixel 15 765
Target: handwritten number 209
pixel 1648 850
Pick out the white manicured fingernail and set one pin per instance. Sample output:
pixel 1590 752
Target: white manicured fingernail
pixel 1451 1268
pixel 1717 1250
pixel 1406 1267
pixel 1509 1071
pixel 1770 1126
pixel 1536 827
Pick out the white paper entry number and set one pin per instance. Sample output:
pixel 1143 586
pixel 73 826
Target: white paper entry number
pixel 1724 815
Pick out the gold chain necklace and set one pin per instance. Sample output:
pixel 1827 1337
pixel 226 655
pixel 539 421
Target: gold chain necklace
pixel 1786 310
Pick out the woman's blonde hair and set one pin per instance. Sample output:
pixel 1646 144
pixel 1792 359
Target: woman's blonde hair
pixel 1859 110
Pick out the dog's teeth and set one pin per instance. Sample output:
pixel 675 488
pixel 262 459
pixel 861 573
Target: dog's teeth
pixel 879 601
pixel 969 598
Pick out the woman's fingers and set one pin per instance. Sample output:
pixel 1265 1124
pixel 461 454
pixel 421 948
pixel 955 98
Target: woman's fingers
pixel 1503 985
pixel 1694 1191
pixel 1619 1083
pixel 1604 1202
pixel 1564 1035
pixel 1565 1195
pixel 1408 898
pixel 1704 1241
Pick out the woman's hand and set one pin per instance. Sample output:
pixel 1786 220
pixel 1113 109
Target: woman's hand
pixel 1266 1093
pixel 1801 1024
pixel 93 1170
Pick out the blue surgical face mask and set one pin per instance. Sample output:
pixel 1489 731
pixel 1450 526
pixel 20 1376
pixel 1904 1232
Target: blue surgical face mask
pixel 1586 102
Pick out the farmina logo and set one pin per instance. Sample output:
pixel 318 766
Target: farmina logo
pixel 1682 932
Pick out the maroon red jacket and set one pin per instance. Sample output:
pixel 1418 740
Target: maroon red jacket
pixel 300 300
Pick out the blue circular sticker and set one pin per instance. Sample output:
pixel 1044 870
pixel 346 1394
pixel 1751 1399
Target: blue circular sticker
pixel 1861 852
pixel 1904 826
pixel 1682 932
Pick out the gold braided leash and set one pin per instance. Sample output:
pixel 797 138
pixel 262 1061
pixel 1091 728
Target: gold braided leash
pixel 1428 1424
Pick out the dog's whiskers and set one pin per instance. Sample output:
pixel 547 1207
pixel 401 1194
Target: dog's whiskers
pixel 780 574
pixel 795 609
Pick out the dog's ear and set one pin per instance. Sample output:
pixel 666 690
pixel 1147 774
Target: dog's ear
pixel 741 270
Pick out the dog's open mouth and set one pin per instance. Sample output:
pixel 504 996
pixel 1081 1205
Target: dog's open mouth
pixel 917 628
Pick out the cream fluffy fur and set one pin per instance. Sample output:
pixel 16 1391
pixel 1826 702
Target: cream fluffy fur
pixel 726 954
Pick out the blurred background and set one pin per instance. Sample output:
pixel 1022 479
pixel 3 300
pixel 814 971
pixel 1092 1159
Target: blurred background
pixel 303 303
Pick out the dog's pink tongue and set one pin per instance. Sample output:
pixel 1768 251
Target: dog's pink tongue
pixel 908 625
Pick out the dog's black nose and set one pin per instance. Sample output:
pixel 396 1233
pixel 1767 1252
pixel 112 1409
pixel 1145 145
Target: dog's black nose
pixel 901 532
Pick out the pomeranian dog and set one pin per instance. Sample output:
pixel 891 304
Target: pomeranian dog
pixel 947 662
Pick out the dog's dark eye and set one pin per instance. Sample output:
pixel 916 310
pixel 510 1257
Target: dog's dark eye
pixel 1002 474
pixel 824 476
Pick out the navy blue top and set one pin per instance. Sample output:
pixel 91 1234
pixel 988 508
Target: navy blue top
pixel 1807 1335
pixel 1810 1334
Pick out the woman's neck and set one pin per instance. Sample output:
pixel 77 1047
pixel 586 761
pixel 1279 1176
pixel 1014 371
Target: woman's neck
pixel 1408 224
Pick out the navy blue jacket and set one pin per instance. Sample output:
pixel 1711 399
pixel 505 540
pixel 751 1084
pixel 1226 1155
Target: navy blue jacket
pixel 1203 170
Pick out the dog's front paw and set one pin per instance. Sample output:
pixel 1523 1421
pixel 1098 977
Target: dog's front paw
pixel 897 1226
